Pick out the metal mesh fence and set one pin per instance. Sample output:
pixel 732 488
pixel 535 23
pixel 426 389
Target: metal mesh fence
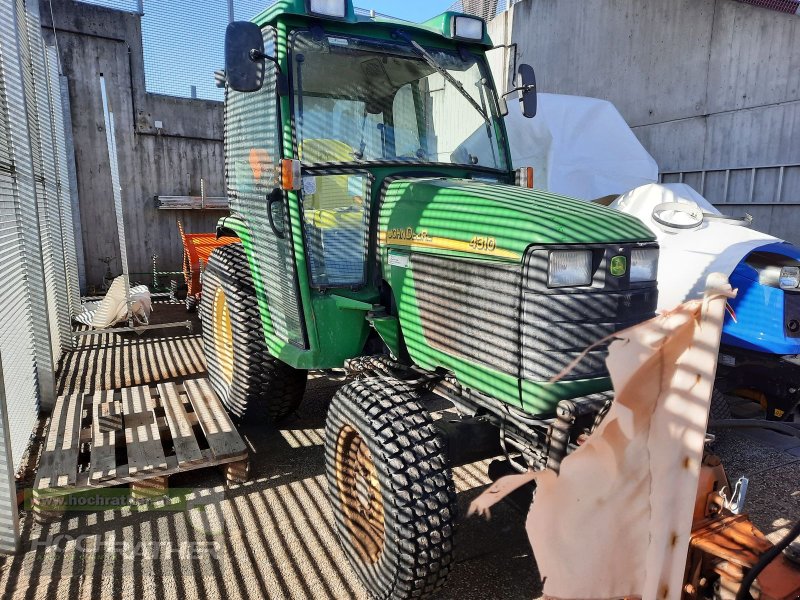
pixel 183 40
pixel 791 7
pixel 183 46
pixel 244 10
pixel 485 9
pixel 132 6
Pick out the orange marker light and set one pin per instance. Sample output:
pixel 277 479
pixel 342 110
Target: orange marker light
pixel 524 177
pixel 290 174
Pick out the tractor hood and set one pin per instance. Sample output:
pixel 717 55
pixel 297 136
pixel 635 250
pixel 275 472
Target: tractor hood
pixel 495 220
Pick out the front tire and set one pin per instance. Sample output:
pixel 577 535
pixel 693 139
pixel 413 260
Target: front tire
pixel 251 383
pixel 390 487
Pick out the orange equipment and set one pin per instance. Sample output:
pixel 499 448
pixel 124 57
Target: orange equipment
pixel 725 546
pixel 197 247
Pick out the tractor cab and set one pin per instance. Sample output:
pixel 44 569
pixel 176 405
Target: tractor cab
pixel 324 107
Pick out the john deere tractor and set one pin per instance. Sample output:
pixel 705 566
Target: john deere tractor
pixel 383 230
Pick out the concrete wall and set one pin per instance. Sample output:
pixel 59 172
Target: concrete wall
pixel 704 84
pixel 92 40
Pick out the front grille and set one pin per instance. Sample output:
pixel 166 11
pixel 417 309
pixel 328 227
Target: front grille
pixel 469 308
pixel 791 314
pixel 559 324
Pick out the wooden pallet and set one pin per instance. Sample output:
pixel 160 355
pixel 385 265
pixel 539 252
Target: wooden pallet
pixel 138 436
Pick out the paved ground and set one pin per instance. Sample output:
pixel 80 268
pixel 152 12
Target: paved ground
pixel 273 536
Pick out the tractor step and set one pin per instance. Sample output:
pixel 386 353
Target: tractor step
pixel 137 436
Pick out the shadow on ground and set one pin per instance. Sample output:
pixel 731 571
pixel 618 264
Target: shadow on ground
pixel 273 536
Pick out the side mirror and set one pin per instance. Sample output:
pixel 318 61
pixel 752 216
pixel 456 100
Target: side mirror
pixel 526 87
pixel 244 56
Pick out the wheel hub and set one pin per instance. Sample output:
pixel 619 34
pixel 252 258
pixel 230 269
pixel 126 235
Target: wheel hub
pixel 360 493
pixel 223 335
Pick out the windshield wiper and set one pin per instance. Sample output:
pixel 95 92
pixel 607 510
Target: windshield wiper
pixel 426 56
pixel 482 90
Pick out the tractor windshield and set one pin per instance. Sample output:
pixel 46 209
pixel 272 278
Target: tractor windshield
pixel 358 100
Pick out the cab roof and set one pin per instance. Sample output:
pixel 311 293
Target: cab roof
pixel 441 25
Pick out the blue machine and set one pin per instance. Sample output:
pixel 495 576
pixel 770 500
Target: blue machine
pixel 760 346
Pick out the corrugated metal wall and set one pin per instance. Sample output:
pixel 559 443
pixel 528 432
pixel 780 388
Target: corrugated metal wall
pixel 28 164
pixel 37 248
pixel 65 227
pixel 45 163
pixel 9 517
pixel 711 88
pixel 17 278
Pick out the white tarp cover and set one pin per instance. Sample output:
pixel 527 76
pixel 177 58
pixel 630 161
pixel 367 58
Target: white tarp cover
pixel 633 483
pixel 113 308
pixel 687 257
pixel 580 147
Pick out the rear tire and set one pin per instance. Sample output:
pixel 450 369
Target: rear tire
pixel 391 488
pixel 720 407
pixel 251 383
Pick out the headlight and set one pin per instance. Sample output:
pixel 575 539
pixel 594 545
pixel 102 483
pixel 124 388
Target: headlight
pixel 329 8
pixel 774 270
pixel 790 278
pixel 569 267
pixel 468 28
pixel 644 264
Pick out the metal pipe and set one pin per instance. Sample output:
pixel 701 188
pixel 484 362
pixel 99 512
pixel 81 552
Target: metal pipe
pixel 116 189
pixel 764 560
pixel 727 181
pixel 187 324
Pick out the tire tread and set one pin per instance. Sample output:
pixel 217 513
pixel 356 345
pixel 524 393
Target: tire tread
pixel 263 386
pixel 416 483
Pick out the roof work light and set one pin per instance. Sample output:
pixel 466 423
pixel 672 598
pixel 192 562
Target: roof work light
pixel 328 8
pixel 468 28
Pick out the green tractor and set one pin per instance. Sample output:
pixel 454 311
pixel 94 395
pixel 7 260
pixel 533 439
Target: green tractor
pixel 383 229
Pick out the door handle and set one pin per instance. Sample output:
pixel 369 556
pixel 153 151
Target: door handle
pixel 276 197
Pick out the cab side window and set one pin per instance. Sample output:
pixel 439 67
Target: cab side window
pixel 335 215
pixel 406 124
